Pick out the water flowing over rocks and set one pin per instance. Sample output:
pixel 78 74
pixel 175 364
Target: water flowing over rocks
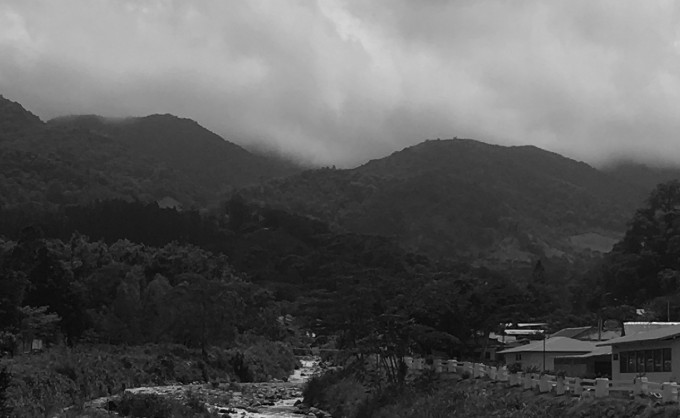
pixel 243 400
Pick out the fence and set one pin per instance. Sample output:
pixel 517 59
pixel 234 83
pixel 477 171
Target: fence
pixel 544 383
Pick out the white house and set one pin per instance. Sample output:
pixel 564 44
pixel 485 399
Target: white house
pixel 541 354
pixel 654 354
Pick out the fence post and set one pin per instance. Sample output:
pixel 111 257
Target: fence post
pixel 503 374
pixel 467 367
pixel 641 386
pixel 544 384
pixel 578 389
pixel 559 387
pixel 601 387
pixel 668 391
pixel 493 373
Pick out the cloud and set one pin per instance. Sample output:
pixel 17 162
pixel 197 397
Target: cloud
pixel 341 82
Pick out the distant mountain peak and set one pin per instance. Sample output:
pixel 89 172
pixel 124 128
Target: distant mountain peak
pixel 14 117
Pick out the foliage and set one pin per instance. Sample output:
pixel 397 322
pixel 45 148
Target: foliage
pixel 644 266
pixel 5 381
pixel 43 383
pixel 464 197
pixel 157 406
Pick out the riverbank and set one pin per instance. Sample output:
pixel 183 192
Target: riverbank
pixel 46 383
pixel 278 398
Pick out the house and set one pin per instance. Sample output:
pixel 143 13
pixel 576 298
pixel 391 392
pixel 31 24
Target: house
pixel 541 354
pixel 652 351
pixel 597 363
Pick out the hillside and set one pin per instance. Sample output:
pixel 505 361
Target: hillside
pixel 80 159
pixel 642 175
pixel 464 197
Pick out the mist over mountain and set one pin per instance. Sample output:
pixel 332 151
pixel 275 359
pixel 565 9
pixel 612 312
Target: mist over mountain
pixel 77 159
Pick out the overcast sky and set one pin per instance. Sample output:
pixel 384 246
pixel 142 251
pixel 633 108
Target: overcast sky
pixel 340 82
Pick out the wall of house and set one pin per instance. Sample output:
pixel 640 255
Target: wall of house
pixel 535 359
pixel 572 367
pixel 671 376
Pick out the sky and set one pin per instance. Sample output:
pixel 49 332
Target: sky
pixel 341 82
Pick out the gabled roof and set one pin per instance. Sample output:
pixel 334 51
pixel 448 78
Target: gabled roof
pixel 554 345
pixel 571 332
pixel 663 333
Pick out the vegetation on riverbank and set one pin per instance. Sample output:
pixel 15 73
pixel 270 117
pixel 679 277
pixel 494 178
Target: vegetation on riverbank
pixel 44 383
pixel 345 394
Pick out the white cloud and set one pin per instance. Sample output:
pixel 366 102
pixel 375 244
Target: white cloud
pixel 343 81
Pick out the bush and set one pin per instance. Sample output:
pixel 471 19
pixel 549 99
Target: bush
pixel 155 406
pixel 5 381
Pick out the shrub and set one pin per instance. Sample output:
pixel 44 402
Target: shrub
pixel 155 406
pixel 5 381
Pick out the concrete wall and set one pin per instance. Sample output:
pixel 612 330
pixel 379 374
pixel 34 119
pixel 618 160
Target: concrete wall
pixel 671 376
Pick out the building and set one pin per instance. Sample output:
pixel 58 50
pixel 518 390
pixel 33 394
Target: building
pixel 597 363
pixel 541 354
pixel 653 352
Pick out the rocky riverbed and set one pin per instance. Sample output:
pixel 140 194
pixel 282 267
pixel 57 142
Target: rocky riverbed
pixel 243 400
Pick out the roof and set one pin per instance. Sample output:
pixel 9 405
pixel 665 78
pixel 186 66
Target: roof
pixel 523 331
pixel 571 332
pixel 554 345
pixel 598 351
pixel 662 333
pixel 637 327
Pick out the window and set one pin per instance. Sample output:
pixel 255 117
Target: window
pixel 632 362
pixel 640 355
pixel 658 362
pixel 518 357
pixel 623 362
pixel 666 359
pixel 649 363
pixel 645 361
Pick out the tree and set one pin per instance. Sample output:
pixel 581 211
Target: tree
pixel 644 264
pixel 202 311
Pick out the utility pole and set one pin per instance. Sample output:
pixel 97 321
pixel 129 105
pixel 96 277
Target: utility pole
pixel 544 352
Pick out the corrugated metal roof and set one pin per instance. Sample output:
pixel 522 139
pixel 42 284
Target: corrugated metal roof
pixel 571 332
pixel 555 345
pixel 598 351
pixel 663 333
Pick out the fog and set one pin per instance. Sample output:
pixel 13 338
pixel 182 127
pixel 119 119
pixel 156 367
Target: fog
pixel 334 82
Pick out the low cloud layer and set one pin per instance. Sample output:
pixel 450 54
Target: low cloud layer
pixel 341 82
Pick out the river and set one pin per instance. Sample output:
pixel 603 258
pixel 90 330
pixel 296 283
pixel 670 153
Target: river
pixel 242 400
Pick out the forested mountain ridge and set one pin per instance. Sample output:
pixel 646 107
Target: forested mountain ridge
pixel 469 198
pixel 185 146
pixel 76 160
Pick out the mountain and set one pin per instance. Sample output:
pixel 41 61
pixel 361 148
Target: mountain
pixel 185 146
pixel 79 159
pixel 468 198
pixel 14 118
pixel 642 175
